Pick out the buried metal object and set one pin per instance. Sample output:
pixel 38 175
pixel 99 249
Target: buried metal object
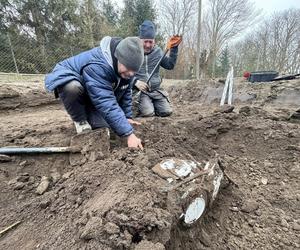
pixel 195 185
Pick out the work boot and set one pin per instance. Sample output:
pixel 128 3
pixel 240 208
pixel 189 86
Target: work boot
pixel 82 126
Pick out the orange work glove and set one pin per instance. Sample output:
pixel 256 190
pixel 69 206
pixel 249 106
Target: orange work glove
pixel 174 41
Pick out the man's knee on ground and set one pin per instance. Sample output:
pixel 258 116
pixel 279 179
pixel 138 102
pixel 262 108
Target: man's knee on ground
pixel 164 113
pixel 146 112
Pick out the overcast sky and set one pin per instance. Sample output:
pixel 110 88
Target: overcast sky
pixel 269 6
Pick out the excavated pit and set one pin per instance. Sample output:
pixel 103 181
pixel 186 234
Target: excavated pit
pixel 108 196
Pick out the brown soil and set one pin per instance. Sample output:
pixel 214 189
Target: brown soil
pixel 112 200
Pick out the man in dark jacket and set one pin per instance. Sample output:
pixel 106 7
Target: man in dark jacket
pixel 95 86
pixel 152 99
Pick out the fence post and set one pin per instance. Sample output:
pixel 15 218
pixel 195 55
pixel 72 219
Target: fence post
pixel 13 54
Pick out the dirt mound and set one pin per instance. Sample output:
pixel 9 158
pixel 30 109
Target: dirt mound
pixel 113 199
pixel 284 94
pixel 20 95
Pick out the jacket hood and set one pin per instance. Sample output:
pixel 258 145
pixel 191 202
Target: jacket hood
pixel 105 48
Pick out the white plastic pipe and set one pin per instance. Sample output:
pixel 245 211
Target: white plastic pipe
pixel 49 150
pixel 230 87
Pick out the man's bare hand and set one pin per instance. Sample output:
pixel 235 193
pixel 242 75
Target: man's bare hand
pixel 142 86
pixel 133 122
pixel 134 142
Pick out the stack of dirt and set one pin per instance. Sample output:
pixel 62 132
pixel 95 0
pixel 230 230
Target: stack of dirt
pixel 279 94
pixel 113 200
pixel 18 95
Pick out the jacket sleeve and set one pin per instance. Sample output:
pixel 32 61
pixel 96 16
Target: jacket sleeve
pixel 101 93
pixel 169 61
pixel 126 102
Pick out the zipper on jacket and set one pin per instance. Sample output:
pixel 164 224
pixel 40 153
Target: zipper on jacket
pixel 147 73
pixel 117 85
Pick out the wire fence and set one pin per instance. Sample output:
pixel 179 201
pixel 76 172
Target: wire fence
pixel 25 55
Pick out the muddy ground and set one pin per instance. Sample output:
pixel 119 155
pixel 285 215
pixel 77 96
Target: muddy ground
pixel 110 199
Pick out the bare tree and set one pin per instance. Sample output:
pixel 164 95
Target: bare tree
pixel 225 19
pixel 284 38
pixel 198 52
pixel 275 45
pixel 176 17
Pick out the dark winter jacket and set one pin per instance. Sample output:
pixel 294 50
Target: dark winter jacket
pixel 96 70
pixel 150 60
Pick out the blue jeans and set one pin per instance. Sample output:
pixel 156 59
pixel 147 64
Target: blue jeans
pixel 79 106
pixel 154 103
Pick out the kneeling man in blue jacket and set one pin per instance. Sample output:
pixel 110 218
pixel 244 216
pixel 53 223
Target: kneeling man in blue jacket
pixel 95 86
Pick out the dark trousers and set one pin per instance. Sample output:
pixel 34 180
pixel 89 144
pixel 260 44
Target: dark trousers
pixel 154 103
pixel 79 106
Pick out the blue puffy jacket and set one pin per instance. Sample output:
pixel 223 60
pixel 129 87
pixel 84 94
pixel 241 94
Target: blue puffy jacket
pixel 96 70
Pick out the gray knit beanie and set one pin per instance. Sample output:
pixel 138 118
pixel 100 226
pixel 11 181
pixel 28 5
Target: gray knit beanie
pixel 130 53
